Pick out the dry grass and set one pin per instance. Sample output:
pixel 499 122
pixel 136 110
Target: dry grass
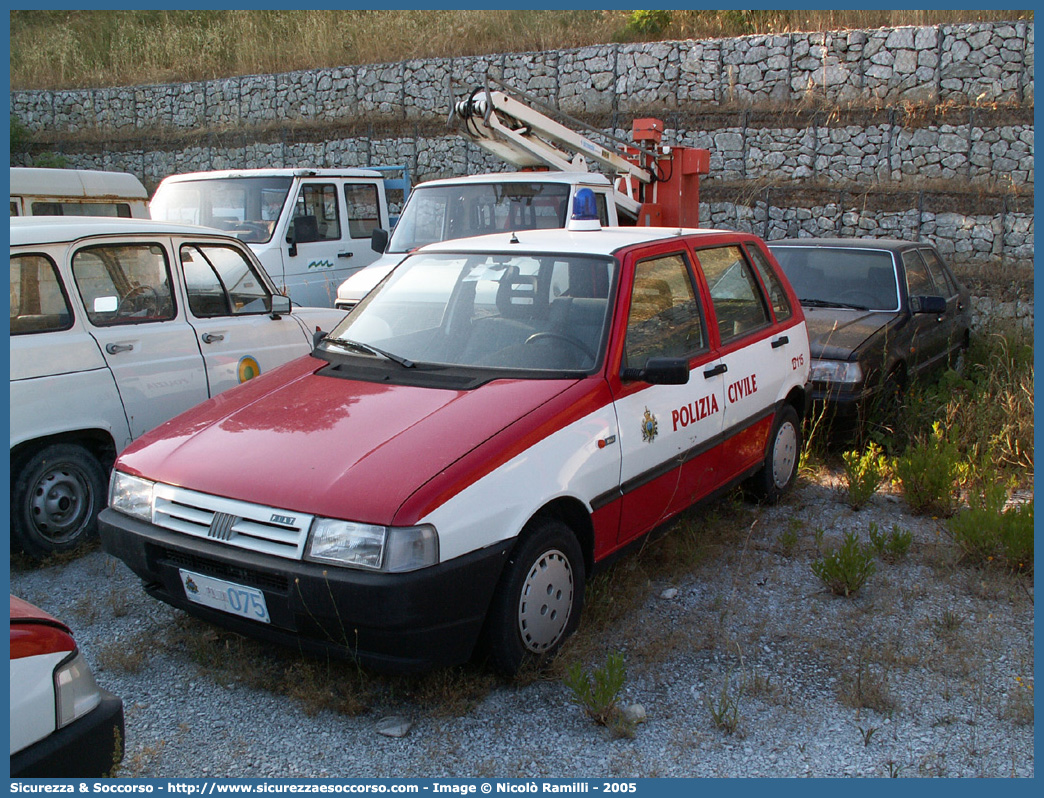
pixel 75 49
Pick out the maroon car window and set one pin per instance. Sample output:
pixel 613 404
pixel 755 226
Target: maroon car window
pixel 939 273
pixel 918 281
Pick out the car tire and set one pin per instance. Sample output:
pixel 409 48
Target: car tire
pixel 56 495
pixel 538 600
pixel 781 458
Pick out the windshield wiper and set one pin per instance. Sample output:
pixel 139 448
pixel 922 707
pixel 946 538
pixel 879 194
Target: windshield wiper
pixel 824 303
pixel 371 350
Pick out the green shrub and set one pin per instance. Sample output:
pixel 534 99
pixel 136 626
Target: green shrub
pixel 598 698
pixel 929 471
pixel 987 531
pixel 864 473
pixel 893 546
pixel 846 568
pixel 724 710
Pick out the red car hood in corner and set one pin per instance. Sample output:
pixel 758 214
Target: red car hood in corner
pixel 328 446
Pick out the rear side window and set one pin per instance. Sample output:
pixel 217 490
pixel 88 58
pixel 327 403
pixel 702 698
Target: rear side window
pixel 777 296
pixel 120 209
pixel 664 319
pixel 38 301
pixel 918 281
pixel 124 283
pixel 361 202
pixel 222 282
pixel 735 293
pixel 944 281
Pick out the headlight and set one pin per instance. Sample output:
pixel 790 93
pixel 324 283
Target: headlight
pixel 836 371
pixel 77 692
pixel 131 495
pixel 377 548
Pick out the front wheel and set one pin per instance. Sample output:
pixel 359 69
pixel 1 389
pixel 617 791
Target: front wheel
pixel 538 601
pixel 56 495
pixel 782 457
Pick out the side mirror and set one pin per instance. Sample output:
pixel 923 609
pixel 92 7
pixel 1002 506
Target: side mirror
pixel 932 305
pixel 660 371
pixel 379 240
pixel 280 305
pixel 317 336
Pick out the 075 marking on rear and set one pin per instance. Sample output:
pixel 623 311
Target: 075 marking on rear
pixel 247 602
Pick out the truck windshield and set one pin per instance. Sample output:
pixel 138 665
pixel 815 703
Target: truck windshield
pixel 246 207
pixel 440 213
pixel 524 312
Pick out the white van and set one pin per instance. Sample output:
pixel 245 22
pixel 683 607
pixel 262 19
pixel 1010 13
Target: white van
pixel 77 192
pixel 310 228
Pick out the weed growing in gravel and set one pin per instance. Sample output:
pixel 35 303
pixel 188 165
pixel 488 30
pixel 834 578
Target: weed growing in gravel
pixel 949 622
pixel 724 709
pixel 123 656
pixel 867 689
pixel 1019 708
pixel 846 568
pixel 893 546
pixel 598 698
pixel 864 473
pixel 987 531
pixel 929 471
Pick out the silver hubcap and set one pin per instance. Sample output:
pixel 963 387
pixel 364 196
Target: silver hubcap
pixel 59 503
pixel 784 454
pixel 546 601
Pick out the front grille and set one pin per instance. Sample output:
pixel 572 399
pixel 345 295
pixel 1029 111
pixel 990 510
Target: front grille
pixel 220 570
pixel 255 527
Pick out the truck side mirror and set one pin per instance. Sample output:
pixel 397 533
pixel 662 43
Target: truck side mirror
pixel 379 240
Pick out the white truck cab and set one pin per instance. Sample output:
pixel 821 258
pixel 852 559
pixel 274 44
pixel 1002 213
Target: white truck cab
pixel 310 228
pixel 76 192
pixel 460 207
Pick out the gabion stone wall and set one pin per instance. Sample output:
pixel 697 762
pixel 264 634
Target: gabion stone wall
pixel 947 110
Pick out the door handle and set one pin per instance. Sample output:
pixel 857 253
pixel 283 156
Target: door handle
pixel 783 339
pixel 209 338
pixel 721 368
pixel 115 349
pixel 345 254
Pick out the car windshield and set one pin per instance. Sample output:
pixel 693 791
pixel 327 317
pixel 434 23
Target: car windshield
pixel 246 207
pixel 836 277
pixel 522 312
pixel 441 213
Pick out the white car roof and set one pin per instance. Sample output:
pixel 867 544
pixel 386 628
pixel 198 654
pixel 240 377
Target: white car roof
pixel 80 183
pixel 54 229
pixel 604 241
pixel 298 172
pixel 568 178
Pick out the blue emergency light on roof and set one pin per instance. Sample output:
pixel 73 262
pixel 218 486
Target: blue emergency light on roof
pixel 585 211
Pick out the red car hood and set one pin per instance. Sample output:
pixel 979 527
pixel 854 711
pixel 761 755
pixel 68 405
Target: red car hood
pixel 328 446
pixel 22 610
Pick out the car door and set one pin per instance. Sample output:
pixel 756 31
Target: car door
pixel 132 311
pixel 755 356
pixel 949 290
pixel 929 344
pixel 230 309
pixel 668 433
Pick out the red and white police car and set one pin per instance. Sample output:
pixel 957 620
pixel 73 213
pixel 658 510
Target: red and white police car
pixel 495 419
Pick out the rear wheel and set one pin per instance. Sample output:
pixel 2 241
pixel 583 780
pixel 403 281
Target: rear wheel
pixel 56 495
pixel 538 601
pixel 781 459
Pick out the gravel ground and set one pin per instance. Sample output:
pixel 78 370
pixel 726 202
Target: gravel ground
pixel 927 671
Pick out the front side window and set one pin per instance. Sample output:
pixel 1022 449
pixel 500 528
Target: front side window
pixel 38 301
pixel 124 283
pixel 364 214
pixel 735 293
pixel 221 281
pixel 316 213
pixel 487 311
pixel 664 319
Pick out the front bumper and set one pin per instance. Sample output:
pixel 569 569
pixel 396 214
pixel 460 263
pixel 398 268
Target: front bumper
pixel 89 747
pixel 395 622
